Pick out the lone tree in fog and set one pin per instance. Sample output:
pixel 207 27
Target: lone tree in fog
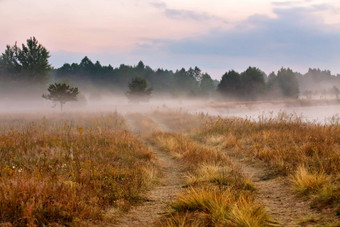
pixel 62 93
pixel 139 90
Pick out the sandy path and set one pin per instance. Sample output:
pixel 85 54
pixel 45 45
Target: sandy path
pixel 149 212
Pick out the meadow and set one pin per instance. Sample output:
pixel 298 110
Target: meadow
pixel 72 169
pixel 308 154
pixel 305 155
pixel 76 169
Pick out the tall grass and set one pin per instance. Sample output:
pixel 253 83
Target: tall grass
pixel 69 170
pixel 218 193
pixel 308 152
pixel 143 123
pixel 181 121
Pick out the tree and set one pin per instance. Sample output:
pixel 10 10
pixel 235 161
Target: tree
pixel 230 84
pixel 8 61
pixel 185 81
pixel 271 80
pixel 139 90
pixel 30 62
pixel 62 93
pixel 195 73
pixel 207 84
pixel 288 83
pixel 252 82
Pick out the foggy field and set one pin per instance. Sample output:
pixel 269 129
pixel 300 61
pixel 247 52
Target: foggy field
pixel 321 111
pixel 169 163
pixel 170 113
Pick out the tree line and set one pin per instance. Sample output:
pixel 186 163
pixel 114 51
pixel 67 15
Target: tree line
pixel 29 63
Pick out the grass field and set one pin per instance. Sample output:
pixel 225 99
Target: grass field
pixel 307 153
pixel 94 169
pixel 70 170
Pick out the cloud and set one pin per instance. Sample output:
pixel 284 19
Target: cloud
pixel 181 14
pixel 186 14
pixel 158 4
pixel 295 35
pixel 287 3
pixel 291 3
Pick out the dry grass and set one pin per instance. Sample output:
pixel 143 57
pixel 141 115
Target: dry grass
pixel 218 193
pixel 316 185
pixel 223 207
pixel 188 151
pixel 143 123
pixel 305 182
pixel 180 121
pixel 307 152
pixel 69 169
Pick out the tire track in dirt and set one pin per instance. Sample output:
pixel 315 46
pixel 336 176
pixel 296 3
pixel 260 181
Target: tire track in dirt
pixel 149 212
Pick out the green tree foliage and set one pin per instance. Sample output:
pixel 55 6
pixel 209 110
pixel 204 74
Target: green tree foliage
pixel 28 63
pixel 247 85
pixel 288 83
pixel 139 90
pixel 61 93
pixel 207 84
pixel 185 81
pixel 195 73
pixel 8 61
pixel 271 80
pixel 230 84
pixel 252 83
pixel 284 84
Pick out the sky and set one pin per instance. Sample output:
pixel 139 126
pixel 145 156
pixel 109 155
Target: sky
pixel 215 35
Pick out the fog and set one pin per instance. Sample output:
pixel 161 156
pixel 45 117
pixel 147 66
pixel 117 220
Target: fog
pixel 320 111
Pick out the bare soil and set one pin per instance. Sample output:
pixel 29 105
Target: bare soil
pixel 148 213
pixel 156 205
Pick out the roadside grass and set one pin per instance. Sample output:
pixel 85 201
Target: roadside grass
pixel 307 153
pixel 217 193
pixel 70 169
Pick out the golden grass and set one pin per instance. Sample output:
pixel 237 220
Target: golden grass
pixel 180 121
pixel 143 123
pixel 218 193
pixel 69 170
pixel 226 175
pixel 223 207
pixel 309 153
pixel 186 150
pixel 305 182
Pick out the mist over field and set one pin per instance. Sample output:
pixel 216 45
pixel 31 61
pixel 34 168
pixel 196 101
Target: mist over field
pixel 169 113
pixel 320 111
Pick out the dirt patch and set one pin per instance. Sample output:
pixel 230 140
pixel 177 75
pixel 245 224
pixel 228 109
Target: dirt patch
pixel 156 205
